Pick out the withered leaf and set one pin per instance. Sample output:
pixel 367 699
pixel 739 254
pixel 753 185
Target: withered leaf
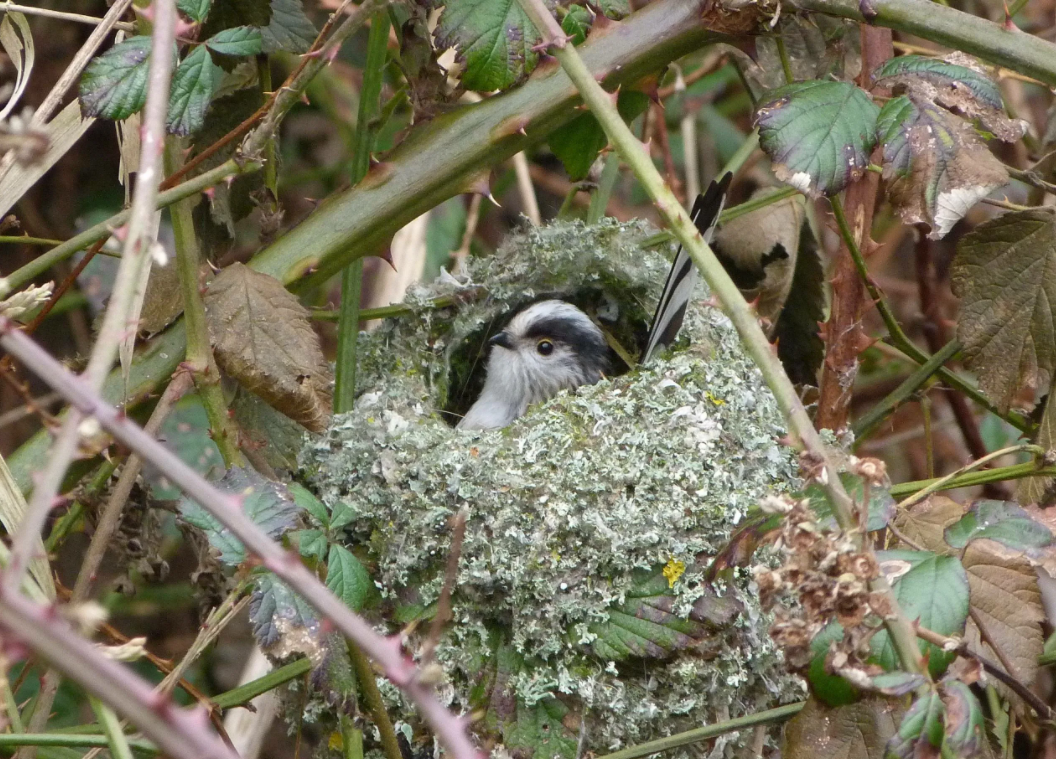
pixel 936 165
pixel 264 339
pixel 1005 275
pixel 855 731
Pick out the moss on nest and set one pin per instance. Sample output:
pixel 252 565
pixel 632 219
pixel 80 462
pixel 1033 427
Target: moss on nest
pixel 563 622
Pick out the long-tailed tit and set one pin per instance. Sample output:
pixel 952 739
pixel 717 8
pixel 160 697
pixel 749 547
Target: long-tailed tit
pixel 552 345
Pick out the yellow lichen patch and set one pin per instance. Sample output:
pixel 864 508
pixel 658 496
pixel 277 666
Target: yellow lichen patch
pixel 673 570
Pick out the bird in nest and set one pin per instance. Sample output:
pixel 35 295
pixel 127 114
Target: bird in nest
pixel 552 345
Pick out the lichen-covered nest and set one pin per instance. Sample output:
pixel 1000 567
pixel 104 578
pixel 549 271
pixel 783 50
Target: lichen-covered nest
pixel 580 611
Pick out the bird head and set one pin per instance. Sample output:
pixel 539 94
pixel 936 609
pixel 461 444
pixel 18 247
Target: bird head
pixel 547 347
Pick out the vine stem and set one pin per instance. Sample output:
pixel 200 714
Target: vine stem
pixel 387 652
pixel 943 482
pixel 137 247
pixel 603 106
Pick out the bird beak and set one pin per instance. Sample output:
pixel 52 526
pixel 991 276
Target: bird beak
pixel 502 340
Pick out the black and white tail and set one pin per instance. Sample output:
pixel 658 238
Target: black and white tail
pixel 682 279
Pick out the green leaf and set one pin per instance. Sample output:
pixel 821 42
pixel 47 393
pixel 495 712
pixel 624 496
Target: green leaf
pixel 226 14
pixel 195 10
pixel 578 143
pixel 186 433
pixel 830 689
pixel 1002 521
pixel 1005 274
pixel 494 41
pixel 276 611
pixel 896 683
pixel 267 503
pixel 114 85
pixel 615 9
pixel 341 515
pixel 934 591
pixel 819 134
pixel 881 504
pixel 311 544
pixel 935 163
pixel 647 624
pixel 576 23
pixel 964 719
pixel 963 89
pixel 304 498
pixel 192 88
pixel 921 728
pixel 348 578
pixel 238 41
pixel 289 30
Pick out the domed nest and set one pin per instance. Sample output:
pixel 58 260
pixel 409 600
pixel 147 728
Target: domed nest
pixel 581 617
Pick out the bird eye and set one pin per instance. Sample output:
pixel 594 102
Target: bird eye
pixel 545 347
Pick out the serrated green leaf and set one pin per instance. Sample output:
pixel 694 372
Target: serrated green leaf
pixel 186 433
pixel 578 143
pixel 615 9
pixel 304 498
pixel 289 30
pixel 114 85
pixel 193 85
pixel 964 720
pixel 275 610
pixel 576 23
pixel 494 39
pixel 936 165
pixel 311 544
pixel 195 10
pixel 920 733
pixel 819 134
pixel 341 515
pixel 959 88
pixel 881 504
pixel 1005 274
pixel 1002 521
pixel 226 14
pixel 267 503
pixel 238 41
pixel 348 578
pixel 934 591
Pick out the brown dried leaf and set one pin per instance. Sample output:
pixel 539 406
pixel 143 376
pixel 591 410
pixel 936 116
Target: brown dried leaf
pixel 263 338
pixel 1006 599
pixel 925 522
pixel 856 731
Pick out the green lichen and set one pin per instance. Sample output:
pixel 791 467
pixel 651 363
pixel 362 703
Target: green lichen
pixel 572 510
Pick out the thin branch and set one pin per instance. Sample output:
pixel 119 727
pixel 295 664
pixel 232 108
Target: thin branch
pixel 115 323
pixel 755 342
pixel 78 18
pixel 450 730
pixel 525 188
pixel 943 483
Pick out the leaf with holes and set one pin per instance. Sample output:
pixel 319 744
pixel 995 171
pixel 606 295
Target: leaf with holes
pixel 958 84
pixel 920 733
pixel 114 85
pixel 267 503
pixel 929 588
pixel 348 578
pixel 819 134
pixel 1005 274
pixel 936 165
pixel 263 337
pixel 1002 521
pixel 648 624
pixel 195 10
pixel 289 29
pixel 493 39
pixel 237 41
pixel 193 85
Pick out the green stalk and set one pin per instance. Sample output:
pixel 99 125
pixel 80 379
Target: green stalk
pixel 755 342
pixel 69 740
pixel 352 276
pixel 599 201
pixel 971 479
pixel 243 694
pixel 116 738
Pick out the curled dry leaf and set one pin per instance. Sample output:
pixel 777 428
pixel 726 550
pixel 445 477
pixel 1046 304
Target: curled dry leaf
pixel 264 339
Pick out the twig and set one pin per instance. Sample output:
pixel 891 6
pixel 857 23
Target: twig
pixel 136 249
pixel 449 729
pixel 971 479
pixel 943 483
pixel 801 429
pixel 78 18
pixel 460 255
pixel 110 517
pixel 961 647
pixel 443 607
pixel 525 188
pixel 688 127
